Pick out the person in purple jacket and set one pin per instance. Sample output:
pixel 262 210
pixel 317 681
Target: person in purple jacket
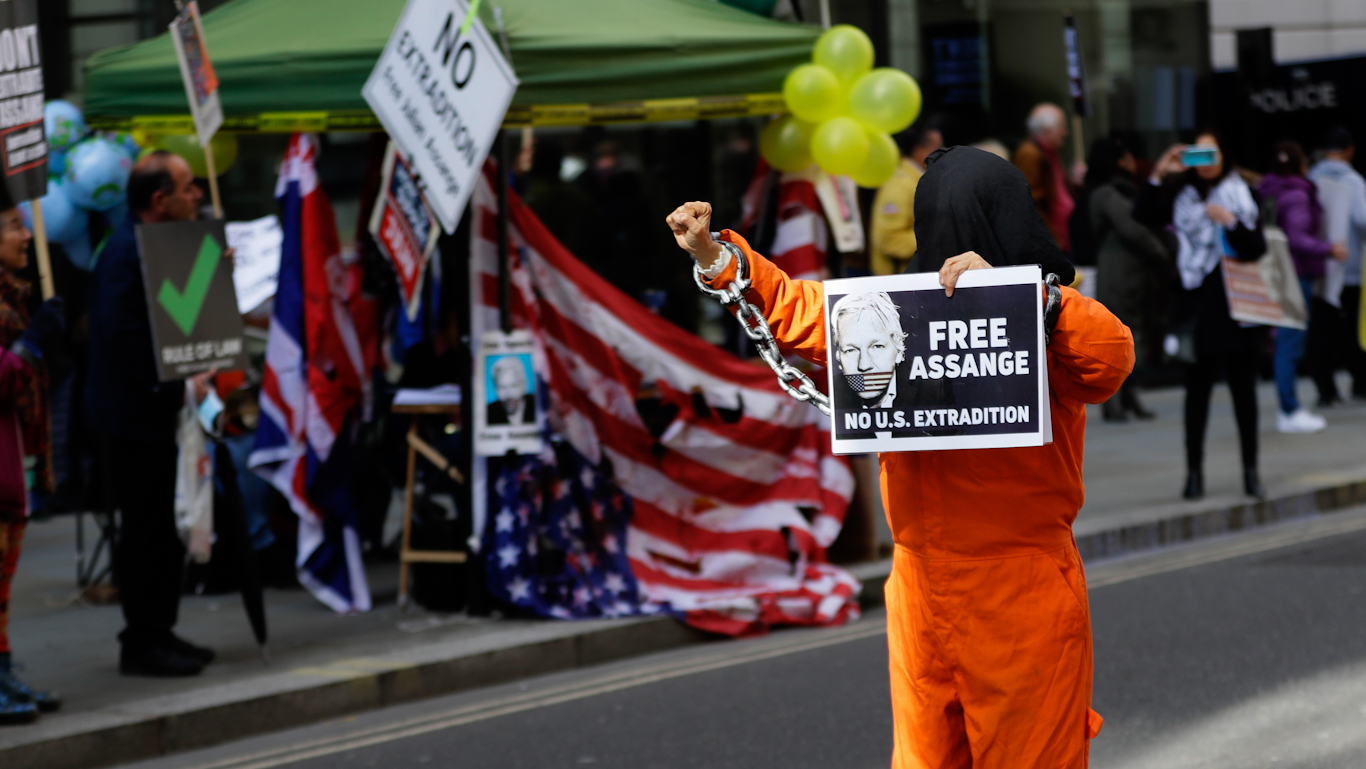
pixel 1300 215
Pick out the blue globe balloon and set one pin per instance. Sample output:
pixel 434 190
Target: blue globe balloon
pixel 64 123
pixel 97 174
pixel 65 223
pixel 56 163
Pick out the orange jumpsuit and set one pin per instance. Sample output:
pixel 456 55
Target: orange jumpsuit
pixel 989 632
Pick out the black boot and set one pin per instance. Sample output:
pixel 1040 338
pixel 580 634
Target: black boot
pixel 1133 406
pixel 1253 484
pixel 1113 411
pixel 1195 485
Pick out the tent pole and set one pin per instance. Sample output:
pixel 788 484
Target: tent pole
pixel 504 269
pixel 40 245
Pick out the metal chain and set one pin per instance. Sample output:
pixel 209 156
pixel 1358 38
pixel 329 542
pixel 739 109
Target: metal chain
pixel 756 326
pixel 793 381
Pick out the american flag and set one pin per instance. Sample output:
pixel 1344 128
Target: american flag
pixel 732 491
pixel 869 385
pixel 800 232
pixel 315 386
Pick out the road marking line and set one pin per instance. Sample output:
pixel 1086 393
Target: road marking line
pixel 1103 574
pixel 545 698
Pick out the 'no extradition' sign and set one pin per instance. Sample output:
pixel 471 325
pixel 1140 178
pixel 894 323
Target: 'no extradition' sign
pixel 441 93
pixel 190 295
pixel 912 369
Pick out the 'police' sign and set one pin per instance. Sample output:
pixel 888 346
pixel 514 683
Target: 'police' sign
pixel 441 92
pixel 912 369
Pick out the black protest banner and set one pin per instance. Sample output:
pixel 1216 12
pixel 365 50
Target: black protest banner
pixel 912 369
pixel 191 299
pixel 23 145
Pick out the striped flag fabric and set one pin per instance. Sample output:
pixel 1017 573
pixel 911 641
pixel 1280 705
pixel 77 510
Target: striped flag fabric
pixel 869 385
pixel 800 233
pixel 732 490
pixel 315 386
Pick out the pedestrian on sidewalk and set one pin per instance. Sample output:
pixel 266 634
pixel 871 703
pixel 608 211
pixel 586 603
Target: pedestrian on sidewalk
pixel 1212 211
pixel 1050 184
pixel 1300 216
pixel 988 631
pixel 1342 191
pixel 135 416
pixel 1130 259
pixel 892 245
pixel 24 433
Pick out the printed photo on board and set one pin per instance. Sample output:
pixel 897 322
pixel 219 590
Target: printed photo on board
pixel 512 399
pixel 913 369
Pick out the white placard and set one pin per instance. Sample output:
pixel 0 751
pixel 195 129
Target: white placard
pixel 441 95
pixel 913 370
pixel 197 73
pixel 256 260
pixel 507 410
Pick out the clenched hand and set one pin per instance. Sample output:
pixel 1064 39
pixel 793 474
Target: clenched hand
pixel 691 226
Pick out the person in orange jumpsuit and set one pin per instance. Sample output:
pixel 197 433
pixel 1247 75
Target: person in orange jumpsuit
pixel 989 632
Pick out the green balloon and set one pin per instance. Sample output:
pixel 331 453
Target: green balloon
pixel 845 50
pixel 840 146
pixel 786 143
pixel 883 158
pixel 885 99
pixel 224 148
pixel 813 93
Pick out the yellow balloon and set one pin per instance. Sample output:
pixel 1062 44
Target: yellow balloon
pixel 786 143
pixel 845 50
pixel 224 146
pixel 840 146
pixel 885 99
pixel 883 157
pixel 813 93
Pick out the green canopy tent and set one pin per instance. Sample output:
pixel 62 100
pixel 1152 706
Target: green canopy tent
pixel 288 65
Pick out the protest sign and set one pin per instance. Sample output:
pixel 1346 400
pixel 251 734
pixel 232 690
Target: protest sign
pixel 507 415
pixel 193 307
pixel 441 91
pixel 196 71
pixel 912 369
pixel 256 249
pixel 22 139
pixel 404 228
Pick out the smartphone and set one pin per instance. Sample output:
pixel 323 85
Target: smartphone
pixel 1194 157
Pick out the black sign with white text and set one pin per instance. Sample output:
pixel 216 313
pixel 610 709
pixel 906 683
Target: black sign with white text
pixel 23 144
pixel 190 295
pixel 913 369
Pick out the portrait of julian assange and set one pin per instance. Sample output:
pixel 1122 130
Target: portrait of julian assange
pixel 869 345
pixel 511 400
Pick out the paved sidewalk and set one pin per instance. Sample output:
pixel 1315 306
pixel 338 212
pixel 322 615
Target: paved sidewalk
pixel 323 665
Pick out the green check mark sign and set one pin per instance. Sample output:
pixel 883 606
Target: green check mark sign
pixel 184 306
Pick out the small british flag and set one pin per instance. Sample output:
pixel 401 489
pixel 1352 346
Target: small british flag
pixel 869 385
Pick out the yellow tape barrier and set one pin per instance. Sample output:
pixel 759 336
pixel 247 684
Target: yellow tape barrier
pixel 648 111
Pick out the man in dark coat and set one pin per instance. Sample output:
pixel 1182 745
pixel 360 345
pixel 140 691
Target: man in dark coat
pixel 134 416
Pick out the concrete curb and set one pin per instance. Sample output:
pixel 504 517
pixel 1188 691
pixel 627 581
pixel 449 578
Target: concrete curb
pixel 1188 526
pixel 286 699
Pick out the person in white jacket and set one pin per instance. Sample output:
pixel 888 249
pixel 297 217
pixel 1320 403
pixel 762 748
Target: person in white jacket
pixel 1342 191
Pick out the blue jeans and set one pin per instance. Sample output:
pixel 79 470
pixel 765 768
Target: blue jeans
pixel 1289 351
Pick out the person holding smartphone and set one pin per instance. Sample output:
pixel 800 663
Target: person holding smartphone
pixel 1195 191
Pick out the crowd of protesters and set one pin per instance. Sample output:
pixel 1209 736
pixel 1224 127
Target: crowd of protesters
pixel 1157 235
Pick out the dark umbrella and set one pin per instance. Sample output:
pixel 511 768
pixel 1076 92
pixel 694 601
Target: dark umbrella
pixel 234 542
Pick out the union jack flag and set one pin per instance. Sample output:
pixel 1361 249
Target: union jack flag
pixel 869 385
pixel 315 385
pixel 686 463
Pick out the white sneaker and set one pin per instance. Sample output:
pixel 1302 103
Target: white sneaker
pixel 1302 421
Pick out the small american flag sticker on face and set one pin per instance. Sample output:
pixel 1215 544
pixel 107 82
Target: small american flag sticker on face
pixel 869 385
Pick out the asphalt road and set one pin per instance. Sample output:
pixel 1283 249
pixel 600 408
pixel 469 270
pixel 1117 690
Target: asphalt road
pixel 1246 651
